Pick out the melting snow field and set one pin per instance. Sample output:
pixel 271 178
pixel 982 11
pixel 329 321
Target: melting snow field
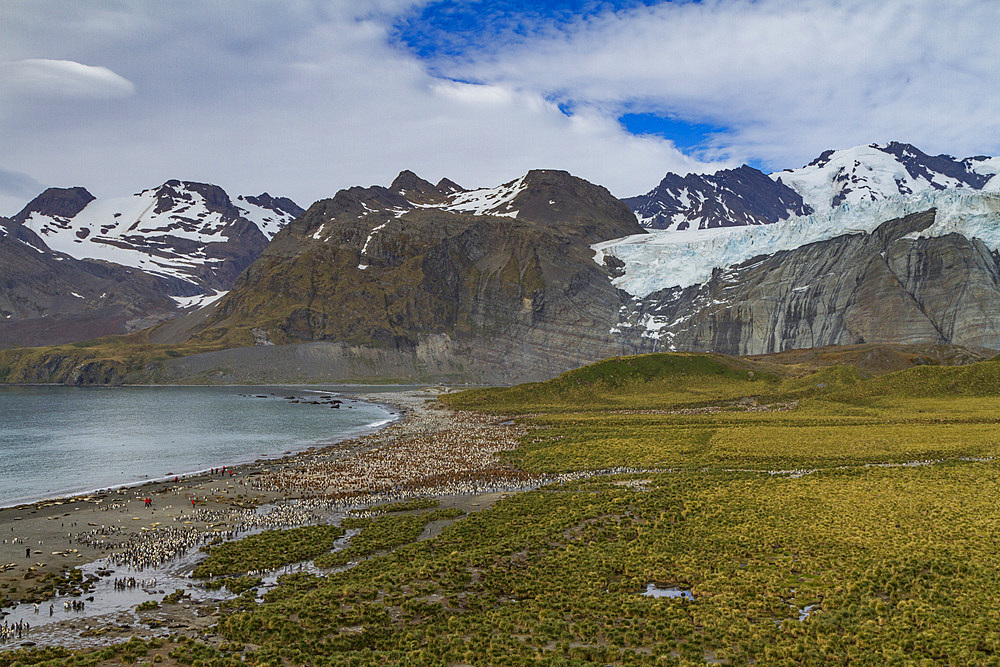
pixel 662 259
pixel 488 201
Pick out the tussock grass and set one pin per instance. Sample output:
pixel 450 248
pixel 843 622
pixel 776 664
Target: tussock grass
pixel 267 550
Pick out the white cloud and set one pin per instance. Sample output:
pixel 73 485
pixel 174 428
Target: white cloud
pixel 61 78
pixel 789 77
pixel 300 99
pixel 303 98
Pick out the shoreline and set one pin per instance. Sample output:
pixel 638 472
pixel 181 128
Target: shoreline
pixel 108 535
pixel 395 415
pixel 48 526
pixel 99 530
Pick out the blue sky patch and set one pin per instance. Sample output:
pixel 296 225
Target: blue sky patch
pixel 686 136
pixel 457 29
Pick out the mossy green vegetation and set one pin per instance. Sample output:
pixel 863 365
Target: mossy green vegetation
pixel 267 550
pixel 405 506
pixel 676 379
pixel 891 563
pixel 382 534
pixel 707 410
pixel 108 360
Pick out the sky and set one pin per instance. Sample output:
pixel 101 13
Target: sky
pixel 301 98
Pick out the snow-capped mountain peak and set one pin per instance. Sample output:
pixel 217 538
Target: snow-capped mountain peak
pixel 179 230
pixel 878 171
pixel 727 198
pixel 746 196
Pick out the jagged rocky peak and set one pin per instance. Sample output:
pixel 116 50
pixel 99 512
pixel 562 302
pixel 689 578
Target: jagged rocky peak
pixel 574 205
pixel 541 196
pixel 279 205
pixel 174 194
pixel 449 186
pixel 727 198
pixel 746 196
pixel 408 182
pixel 56 203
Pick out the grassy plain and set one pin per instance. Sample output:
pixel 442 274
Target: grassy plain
pixel 814 518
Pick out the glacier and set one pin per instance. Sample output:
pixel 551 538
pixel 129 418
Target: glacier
pixel 662 259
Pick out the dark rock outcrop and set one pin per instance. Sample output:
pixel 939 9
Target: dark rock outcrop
pixel 727 198
pixel 56 202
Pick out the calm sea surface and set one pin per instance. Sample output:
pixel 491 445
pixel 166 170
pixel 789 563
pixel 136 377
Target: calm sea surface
pixel 56 441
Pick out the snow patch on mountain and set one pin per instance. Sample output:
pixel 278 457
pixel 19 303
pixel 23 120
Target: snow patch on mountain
pixel 165 231
pixel 661 259
pixel 364 249
pixel 488 201
pixel 200 300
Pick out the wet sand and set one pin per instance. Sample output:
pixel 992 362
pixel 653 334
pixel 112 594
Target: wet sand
pixel 429 451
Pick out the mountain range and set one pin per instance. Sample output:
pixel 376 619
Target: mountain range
pixel 421 281
pixel 747 196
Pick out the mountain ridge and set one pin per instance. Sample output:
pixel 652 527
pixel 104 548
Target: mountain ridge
pixel 872 172
pixel 181 229
pixel 76 266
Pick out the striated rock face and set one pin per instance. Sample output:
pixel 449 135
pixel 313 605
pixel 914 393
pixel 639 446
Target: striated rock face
pixel 889 286
pixel 494 285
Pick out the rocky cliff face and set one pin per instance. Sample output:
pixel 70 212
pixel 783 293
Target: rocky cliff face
pixel 500 283
pixel 889 286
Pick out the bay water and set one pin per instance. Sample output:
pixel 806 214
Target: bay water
pixel 57 441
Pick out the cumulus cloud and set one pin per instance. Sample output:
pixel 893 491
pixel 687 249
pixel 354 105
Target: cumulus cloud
pixel 300 99
pixel 787 77
pixel 62 78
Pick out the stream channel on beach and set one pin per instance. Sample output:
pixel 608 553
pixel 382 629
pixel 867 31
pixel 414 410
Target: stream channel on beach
pixel 57 441
pixel 118 589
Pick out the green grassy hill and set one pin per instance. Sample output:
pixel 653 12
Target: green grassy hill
pixel 658 381
pixel 696 411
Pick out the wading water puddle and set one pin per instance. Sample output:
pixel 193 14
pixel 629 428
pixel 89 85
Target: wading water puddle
pixel 654 591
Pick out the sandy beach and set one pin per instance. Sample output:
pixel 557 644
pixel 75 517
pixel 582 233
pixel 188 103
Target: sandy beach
pixel 116 534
